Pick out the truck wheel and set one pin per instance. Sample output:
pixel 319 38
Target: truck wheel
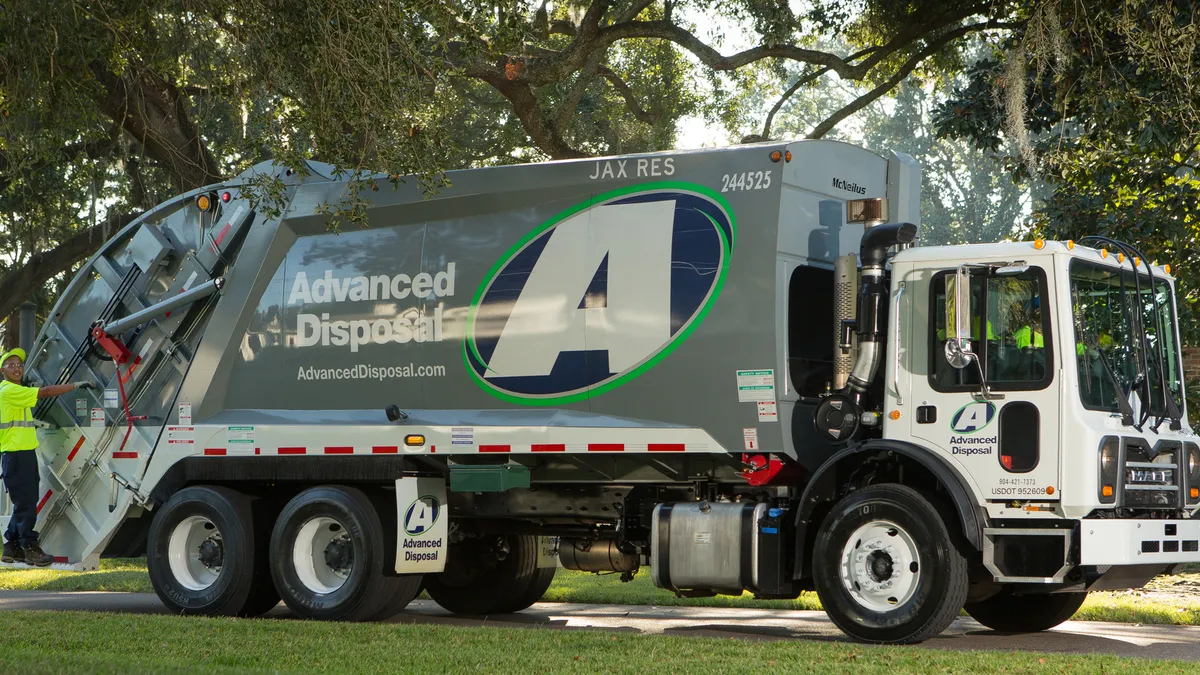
pixel 1011 613
pixel 490 574
pixel 263 596
pixel 542 578
pixel 327 556
pixel 200 552
pixel 886 568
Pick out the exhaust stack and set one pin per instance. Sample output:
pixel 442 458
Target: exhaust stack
pixel 845 301
pixel 872 297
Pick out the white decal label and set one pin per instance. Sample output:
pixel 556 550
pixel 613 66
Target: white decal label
pixel 110 398
pixel 547 552
pixel 462 436
pixel 242 436
pixel 423 525
pixel 768 411
pixel 97 417
pixel 81 408
pixel 756 385
pixel 750 435
pixel 703 537
pixel 185 414
pixel 180 435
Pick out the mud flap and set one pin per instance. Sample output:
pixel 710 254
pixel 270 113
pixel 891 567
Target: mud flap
pixel 547 552
pixel 422 525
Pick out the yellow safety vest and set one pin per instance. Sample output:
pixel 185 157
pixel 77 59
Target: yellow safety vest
pixel 1027 337
pixel 17 430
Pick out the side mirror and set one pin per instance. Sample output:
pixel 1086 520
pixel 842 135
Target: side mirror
pixel 958 319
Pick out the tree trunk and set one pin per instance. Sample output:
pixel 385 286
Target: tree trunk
pixel 12 329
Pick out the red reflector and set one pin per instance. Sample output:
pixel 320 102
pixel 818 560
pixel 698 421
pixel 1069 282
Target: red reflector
pixel 495 448
pixel 78 445
pixel 548 447
pixel 666 447
pixel 385 449
pixel 225 197
pixel 1006 461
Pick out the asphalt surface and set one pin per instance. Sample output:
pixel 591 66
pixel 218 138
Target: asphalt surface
pixel 1072 637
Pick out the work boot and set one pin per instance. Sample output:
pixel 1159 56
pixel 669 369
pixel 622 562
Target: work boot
pixel 35 556
pixel 12 552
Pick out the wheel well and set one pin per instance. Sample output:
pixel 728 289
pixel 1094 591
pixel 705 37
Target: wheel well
pixel 854 470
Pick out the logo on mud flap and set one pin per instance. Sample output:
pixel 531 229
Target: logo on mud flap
pixel 972 417
pixel 600 293
pixel 421 515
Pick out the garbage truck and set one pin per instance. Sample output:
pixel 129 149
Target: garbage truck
pixel 734 366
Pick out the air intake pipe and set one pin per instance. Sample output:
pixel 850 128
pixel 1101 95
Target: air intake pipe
pixel 872 296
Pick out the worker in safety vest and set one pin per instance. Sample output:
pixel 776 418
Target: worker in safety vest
pixel 18 457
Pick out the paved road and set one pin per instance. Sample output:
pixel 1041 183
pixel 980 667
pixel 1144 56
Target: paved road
pixel 1079 637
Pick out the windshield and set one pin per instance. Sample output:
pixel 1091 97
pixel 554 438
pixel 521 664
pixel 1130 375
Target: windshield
pixel 1109 317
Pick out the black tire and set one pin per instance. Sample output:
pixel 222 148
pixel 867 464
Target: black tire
pixel 351 520
pixel 263 596
pixel 542 578
pixel 219 522
pixel 1010 613
pixel 899 600
pixel 489 574
pixel 406 588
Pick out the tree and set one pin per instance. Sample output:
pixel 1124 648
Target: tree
pixel 1096 106
pixel 109 106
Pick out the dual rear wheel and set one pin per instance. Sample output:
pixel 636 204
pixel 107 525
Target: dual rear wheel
pixel 326 554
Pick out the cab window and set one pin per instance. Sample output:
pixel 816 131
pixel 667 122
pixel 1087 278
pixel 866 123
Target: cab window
pixel 1010 332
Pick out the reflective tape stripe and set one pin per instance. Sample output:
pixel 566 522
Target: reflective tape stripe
pixel 10 425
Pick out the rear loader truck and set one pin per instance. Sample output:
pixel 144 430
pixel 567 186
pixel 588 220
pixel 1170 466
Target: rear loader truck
pixel 733 366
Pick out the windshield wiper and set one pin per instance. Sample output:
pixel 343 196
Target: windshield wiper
pixel 1133 320
pixel 1123 404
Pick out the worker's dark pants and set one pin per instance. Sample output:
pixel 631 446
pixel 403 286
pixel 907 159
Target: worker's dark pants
pixel 21 480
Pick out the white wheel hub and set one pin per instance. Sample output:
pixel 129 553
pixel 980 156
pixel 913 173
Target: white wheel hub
pixel 196 553
pixel 323 555
pixel 880 566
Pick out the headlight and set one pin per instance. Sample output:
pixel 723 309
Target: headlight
pixel 1110 451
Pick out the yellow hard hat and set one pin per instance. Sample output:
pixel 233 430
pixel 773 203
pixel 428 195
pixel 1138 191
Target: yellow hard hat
pixel 18 352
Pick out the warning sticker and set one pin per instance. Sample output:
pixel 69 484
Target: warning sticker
pixel 462 436
pixel 756 385
pixel 81 408
pixel 110 398
pixel 750 435
pixel 97 417
pixel 240 435
pixel 180 435
pixel 768 411
pixel 185 413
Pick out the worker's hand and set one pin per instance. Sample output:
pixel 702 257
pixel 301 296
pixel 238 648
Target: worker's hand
pixel 85 385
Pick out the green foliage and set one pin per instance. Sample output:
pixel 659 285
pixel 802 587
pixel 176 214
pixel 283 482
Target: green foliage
pixel 1096 106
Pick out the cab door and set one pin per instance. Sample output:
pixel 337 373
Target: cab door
pixel 1006 439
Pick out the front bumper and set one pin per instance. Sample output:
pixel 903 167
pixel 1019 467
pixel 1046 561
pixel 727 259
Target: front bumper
pixel 1138 542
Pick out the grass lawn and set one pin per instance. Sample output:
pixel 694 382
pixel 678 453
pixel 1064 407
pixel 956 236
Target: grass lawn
pixel 83 642
pixel 1150 606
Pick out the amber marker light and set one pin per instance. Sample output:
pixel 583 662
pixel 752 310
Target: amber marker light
pixel 414 439
pixel 1039 244
pixel 1049 489
pixel 1103 253
pixel 1167 268
pixel 787 156
pixel 1070 244
pixel 1107 491
pixel 1194 493
pixel 203 202
pixel 1120 257
pixel 895 414
pixel 776 155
